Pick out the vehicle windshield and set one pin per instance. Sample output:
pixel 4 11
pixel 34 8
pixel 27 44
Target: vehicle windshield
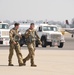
pixel 4 26
pixel 49 28
pixel 22 29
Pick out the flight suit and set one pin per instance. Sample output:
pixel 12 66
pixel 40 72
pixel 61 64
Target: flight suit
pixel 12 34
pixel 31 36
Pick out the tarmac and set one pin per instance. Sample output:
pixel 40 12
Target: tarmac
pixel 49 62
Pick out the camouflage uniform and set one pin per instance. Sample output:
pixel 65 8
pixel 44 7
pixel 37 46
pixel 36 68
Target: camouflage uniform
pixel 31 36
pixel 14 37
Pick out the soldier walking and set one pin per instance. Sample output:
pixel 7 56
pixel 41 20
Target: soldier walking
pixel 31 36
pixel 14 44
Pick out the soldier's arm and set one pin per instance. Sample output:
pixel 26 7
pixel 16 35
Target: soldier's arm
pixel 11 36
pixel 38 37
pixel 27 33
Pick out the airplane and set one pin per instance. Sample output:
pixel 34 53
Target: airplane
pixel 69 28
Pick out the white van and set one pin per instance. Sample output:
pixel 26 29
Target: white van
pixel 4 34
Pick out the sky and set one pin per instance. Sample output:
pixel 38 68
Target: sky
pixel 57 10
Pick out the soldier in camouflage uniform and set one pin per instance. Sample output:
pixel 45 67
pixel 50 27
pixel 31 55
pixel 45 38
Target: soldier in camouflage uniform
pixel 31 36
pixel 14 44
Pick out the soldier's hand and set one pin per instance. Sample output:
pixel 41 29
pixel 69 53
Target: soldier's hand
pixel 20 36
pixel 29 30
pixel 14 43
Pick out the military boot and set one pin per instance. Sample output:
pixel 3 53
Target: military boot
pixel 10 64
pixel 22 64
pixel 24 61
pixel 33 65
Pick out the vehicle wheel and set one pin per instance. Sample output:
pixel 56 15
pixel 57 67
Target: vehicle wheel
pixel 21 42
pixel 36 45
pixel 21 45
pixel 50 44
pixel 72 35
pixel 61 45
pixel 44 44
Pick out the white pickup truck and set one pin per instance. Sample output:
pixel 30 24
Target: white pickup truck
pixel 50 35
pixel 4 34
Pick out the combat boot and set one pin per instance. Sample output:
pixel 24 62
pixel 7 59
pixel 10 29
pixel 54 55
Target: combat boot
pixel 10 64
pixel 22 64
pixel 24 61
pixel 33 65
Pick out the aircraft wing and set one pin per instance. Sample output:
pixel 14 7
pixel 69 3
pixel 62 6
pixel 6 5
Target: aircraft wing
pixel 70 30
